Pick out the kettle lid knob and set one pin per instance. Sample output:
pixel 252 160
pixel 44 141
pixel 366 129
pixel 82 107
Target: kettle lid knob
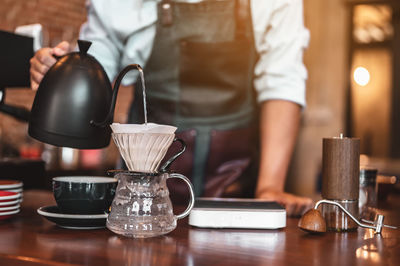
pixel 84 46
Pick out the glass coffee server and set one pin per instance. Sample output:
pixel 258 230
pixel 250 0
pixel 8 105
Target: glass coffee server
pixel 141 207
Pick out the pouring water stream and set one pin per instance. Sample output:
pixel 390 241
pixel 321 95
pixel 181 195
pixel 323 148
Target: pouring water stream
pixel 144 93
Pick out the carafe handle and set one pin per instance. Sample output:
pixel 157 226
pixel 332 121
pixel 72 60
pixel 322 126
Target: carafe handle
pixel 191 202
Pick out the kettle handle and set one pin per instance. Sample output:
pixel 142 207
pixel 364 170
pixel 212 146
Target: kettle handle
pixel 57 57
pixel 110 116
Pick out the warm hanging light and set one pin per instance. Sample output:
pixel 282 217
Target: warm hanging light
pixel 361 76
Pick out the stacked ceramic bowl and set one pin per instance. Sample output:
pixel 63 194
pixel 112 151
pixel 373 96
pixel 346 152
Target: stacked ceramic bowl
pixel 10 198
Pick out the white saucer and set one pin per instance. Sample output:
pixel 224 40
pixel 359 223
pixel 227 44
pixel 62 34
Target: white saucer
pixel 16 190
pixel 9 208
pixel 7 184
pixel 16 196
pixel 7 203
pixel 73 221
pixel 6 215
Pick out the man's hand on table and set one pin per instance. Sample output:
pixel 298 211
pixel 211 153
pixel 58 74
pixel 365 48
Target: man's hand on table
pixel 43 60
pixel 295 205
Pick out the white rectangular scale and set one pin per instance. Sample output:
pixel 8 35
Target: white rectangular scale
pixel 237 213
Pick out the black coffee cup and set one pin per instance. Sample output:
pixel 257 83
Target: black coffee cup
pixel 84 194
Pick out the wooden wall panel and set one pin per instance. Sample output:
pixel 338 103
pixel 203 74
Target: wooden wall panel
pixel 327 63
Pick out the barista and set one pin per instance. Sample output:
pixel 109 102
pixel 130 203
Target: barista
pixel 228 74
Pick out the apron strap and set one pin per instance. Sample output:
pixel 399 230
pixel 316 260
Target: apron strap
pixel 243 17
pixel 167 18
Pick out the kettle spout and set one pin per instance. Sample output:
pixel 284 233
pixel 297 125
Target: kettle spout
pixel 110 116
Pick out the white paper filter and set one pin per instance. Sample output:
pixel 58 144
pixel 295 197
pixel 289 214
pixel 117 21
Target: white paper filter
pixel 142 128
pixel 143 146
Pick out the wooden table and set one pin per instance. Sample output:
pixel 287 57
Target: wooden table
pixel 29 239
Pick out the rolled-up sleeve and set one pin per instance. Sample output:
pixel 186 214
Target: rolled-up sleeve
pixel 103 48
pixel 280 38
pixel 121 33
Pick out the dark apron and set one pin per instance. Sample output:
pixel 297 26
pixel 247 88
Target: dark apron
pixel 199 78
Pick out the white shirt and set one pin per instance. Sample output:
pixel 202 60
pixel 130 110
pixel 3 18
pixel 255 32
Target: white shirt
pixel 122 32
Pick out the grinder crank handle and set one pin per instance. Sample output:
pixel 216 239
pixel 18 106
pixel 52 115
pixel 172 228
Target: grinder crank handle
pixel 376 226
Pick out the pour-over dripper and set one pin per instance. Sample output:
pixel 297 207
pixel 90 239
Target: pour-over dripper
pixel 143 146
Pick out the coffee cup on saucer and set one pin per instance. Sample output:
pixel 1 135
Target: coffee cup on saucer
pixel 83 202
pixel 84 194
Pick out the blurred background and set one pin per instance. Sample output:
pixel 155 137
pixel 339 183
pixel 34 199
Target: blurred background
pixel 352 89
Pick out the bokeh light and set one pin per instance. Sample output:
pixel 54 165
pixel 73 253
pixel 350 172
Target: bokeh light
pixel 361 76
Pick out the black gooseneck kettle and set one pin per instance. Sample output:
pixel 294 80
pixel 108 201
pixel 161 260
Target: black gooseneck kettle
pixel 75 102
